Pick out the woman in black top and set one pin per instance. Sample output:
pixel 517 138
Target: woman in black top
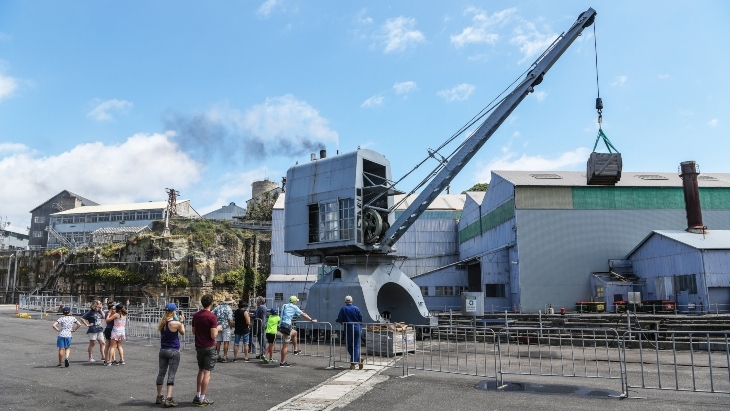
pixel 241 330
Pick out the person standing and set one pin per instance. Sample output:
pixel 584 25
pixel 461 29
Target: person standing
pixel 94 319
pixel 108 332
pixel 68 324
pixel 118 333
pixel 351 317
pixel 259 327
pixel 206 329
pixel 224 314
pixel 170 328
pixel 288 311
pixel 242 330
pixel 272 324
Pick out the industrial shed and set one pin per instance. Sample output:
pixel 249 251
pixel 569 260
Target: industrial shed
pixel 692 269
pixel 535 237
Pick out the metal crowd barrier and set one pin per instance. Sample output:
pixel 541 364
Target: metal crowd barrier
pixel 697 361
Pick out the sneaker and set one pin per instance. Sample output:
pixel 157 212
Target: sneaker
pixel 296 352
pixel 59 365
pixel 65 362
pixel 352 366
pixel 360 365
pixel 196 400
pixel 234 360
pixel 284 364
pixel 246 360
pixel 169 402
pixel 224 359
pixel 92 360
pixel 160 399
pixel 204 403
pixel 115 362
pixel 258 357
pixel 120 362
pixel 263 360
pixel 108 364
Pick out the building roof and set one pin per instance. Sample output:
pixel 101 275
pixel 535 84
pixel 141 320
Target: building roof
pixel 226 212
pixel 121 230
pixel 710 240
pixel 85 201
pixel 442 202
pixel 628 179
pixel 16 230
pixel 151 205
pixel 283 278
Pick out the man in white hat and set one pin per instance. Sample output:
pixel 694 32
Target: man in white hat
pixel 224 313
pixel 350 317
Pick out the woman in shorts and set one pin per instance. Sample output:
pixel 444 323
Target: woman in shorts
pixel 118 335
pixel 108 332
pixel 94 319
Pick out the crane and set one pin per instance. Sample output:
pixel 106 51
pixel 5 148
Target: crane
pixel 339 211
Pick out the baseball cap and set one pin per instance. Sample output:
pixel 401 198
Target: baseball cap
pixel 170 307
pixel 66 309
pixel 293 299
pixel 348 299
pixel 272 311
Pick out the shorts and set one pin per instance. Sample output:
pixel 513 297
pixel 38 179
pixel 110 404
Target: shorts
pixel 118 335
pixel 238 337
pixel 224 335
pixel 63 342
pixel 270 338
pixel 108 333
pixel 96 336
pixel 206 358
pixel 287 338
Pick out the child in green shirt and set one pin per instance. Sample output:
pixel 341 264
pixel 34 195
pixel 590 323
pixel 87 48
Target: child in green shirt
pixel 271 325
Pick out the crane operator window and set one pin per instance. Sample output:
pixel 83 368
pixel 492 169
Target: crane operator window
pixel 333 220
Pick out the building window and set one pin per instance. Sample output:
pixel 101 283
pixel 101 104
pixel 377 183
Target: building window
pixel 685 283
pixel 302 296
pixel 599 291
pixel 278 296
pixel 39 219
pixel 461 289
pixel 495 290
pixel 329 222
pixel 443 290
pixel 37 234
pixel 424 290
pixel 347 219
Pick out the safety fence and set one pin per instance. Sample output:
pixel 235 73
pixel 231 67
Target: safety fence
pixel 696 361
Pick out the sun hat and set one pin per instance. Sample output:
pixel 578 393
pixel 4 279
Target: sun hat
pixel 348 299
pixel 272 311
pixel 293 299
pixel 229 300
pixel 170 307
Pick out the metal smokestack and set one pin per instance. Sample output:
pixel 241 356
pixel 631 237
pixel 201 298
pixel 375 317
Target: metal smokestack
pixel 322 153
pixel 688 172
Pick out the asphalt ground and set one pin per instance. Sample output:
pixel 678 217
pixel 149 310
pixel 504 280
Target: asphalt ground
pixel 30 380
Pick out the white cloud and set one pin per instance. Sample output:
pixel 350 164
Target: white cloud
pixel 531 41
pixel 7 86
pixel 399 33
pixel 481 30
pixel 457 93
pixel 268 7
pixel 511 161
pixel 714 122
pixel 620 80
pixel 362 17
pixel 374 101
pixel 102 110
pixel 664 76
pixel 405 87
pixel 13 148
pixel 540 95
pixel 233 187
pixel 137 170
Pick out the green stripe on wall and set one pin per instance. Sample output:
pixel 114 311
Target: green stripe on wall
pixel 645 198
pixel 488 221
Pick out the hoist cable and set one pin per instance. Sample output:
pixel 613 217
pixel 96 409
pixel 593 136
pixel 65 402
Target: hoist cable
pixel 595 48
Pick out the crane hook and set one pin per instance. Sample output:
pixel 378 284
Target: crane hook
pixel 599 108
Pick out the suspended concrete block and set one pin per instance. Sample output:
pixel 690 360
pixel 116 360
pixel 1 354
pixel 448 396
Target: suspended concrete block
pixel 604 169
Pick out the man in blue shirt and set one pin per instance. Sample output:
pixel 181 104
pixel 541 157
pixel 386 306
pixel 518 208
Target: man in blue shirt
pixel 350 317
pixel 288 311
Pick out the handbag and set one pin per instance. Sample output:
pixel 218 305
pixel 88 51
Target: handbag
pixel 285 328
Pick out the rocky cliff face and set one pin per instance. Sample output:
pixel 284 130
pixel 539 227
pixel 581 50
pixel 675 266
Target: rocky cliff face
pixel 198 257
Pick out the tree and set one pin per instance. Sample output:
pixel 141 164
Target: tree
pixel 478 187
pixel 260 208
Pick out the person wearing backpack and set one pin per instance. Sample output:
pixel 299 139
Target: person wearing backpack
pixel 288 311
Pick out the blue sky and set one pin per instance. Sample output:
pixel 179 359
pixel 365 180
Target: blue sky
pixel 117 101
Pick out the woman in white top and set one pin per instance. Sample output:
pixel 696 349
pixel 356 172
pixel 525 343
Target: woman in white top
pixel 118 335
